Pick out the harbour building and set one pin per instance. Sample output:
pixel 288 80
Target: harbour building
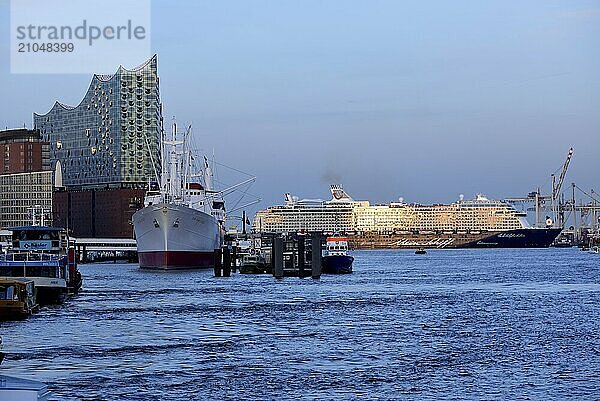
pixel 25 177
pixel 105 150
pixel 20 193
pixel 22 150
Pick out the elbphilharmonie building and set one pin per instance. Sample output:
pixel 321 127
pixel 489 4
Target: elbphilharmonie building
pixel 104 151
pixel 112 137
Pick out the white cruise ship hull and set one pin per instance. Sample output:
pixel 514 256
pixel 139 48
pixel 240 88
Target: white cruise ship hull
pixel 171 236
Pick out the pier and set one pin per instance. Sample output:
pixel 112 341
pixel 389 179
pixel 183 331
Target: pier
pixel 104 249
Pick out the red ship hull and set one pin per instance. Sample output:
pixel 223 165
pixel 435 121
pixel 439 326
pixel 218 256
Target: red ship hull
pixel 168 260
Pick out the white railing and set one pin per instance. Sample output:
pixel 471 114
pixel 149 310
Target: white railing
pixel 30 257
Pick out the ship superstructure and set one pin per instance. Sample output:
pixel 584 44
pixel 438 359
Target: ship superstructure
pixel 43 255
pixel 463 215
pixel 308 215
pixel 480 222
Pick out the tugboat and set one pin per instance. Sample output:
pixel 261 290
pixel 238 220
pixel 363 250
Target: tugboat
pixel 420 251
pixel 42 254
pixel 336 259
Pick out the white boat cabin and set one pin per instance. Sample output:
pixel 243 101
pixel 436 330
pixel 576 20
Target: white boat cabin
pixel 337 246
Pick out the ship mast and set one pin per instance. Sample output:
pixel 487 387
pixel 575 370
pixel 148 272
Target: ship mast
pixel 186 166
pixel 176 166
pixel 171 177
pixel 163 166
pixel 208 176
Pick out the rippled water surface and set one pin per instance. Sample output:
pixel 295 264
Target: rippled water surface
pixel 454 324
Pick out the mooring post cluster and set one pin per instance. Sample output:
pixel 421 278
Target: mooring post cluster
pixel 297 255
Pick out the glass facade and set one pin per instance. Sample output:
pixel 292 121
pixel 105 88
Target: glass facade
pixel 112 138
pixel 19 193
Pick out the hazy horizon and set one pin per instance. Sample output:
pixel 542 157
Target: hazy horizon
pixel 420 100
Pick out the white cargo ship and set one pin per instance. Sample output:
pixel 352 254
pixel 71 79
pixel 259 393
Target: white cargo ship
pixel 182 222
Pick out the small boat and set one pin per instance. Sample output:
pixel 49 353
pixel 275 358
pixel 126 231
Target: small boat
pixel 253 263
pixel 595 249
pixel 336 259
pixel 15 389
pixel 420 251
pixel 17 298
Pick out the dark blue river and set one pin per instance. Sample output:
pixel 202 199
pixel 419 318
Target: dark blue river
pixel 454 324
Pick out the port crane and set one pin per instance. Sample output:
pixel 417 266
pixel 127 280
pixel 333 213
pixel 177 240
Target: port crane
pixel 584 215
pixel 556 190
pixel 540 201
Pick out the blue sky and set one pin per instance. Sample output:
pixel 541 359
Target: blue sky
pixel 420 99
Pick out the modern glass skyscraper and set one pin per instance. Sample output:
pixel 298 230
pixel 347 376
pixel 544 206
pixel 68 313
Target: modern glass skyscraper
pixel 104 151
pixel 112 138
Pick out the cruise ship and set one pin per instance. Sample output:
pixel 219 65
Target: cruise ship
pixel 477 223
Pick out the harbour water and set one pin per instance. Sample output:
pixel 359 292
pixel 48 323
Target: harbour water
pixel 452 324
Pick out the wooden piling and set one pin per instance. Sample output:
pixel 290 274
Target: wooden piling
pixel 272 261
pixel 226 262
pixel 217 262
pixel 234 259
pixel 301 255
pixel 278 257
pixel 316 255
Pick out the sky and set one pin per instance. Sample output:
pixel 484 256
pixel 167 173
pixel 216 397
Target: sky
pixel 423 100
